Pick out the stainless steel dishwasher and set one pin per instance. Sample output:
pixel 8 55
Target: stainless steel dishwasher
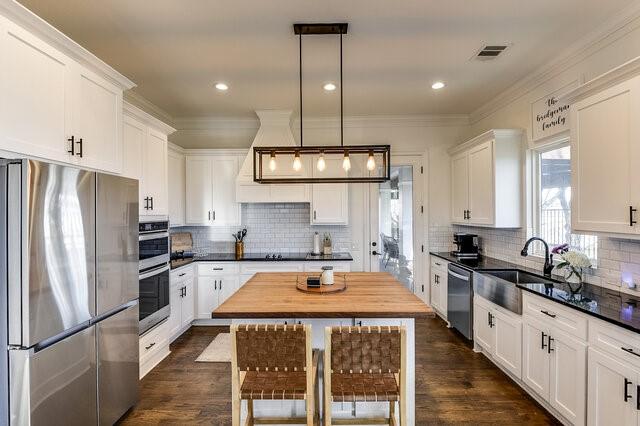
pixel 460 300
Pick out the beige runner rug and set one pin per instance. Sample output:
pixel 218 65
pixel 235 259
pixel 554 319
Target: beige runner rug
pixel 219 350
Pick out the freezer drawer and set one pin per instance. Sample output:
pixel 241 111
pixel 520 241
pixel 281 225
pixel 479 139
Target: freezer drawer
pixel 57 385
pixel 116 241
pixel 50 225
pixel 117 364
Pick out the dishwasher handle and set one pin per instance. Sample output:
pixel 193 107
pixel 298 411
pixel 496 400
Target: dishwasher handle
pixel 460 277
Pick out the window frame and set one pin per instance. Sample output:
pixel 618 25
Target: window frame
pixel 535 177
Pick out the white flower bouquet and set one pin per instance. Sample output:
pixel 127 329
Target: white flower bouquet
pixel 573 262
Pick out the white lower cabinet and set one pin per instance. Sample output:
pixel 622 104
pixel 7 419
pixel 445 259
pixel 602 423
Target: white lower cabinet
pixel 153 347
pixel 213 291
pixel 182 300
pixel 438 285
pixel 555 368
pixel 499 333
pixel 613 390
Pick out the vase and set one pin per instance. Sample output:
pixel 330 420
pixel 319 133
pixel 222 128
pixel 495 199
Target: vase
pixel 573 276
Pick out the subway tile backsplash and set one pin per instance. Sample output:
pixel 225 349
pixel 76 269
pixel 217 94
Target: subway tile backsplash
pixel 618 259
pixel 271 227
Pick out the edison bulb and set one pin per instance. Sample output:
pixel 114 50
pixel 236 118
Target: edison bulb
pixel 371 162
pixel 321 163
pixel 346 163
pixel 297 164
pixel 272 163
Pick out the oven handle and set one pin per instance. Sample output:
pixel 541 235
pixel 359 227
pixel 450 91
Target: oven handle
pixel 153 272
pixel 153 236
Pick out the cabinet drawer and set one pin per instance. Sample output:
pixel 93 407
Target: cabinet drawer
pixel 555 314
pixel 439 264
pixel 185 273
pixel 255 267
pixel 216 269
pixel 617 341
pixel 153 341
pixel 337 266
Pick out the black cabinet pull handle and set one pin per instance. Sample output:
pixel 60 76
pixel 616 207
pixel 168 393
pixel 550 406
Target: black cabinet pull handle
pixel 182 274
pixel 468 214
pixel 627 396
pixel 151 203
pixel 314 215
pixel 638 397
pixel 549 348
pixel 218 269
pixel 359 323
pixel 79 142
pixel 220 284
pixel 209 214
pixel 548 314
pixel 214 215
pixel 491 323
pixel 150 346
pixel 543 335
pixel 631 211
pixel 146 203
pixel 489 319
pixel 423 288
pixel 72 151
pixel 215 285
pixel 630 350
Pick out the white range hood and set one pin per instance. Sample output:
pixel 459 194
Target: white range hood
pixel 275 130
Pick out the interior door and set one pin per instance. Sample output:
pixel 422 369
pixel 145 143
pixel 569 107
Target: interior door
pixel 536 362
pixel 481 200
pixel 225 209
pixel 199 191
pixel 396 224
pixel 459 187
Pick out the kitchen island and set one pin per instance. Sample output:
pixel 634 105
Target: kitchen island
pixel 369 299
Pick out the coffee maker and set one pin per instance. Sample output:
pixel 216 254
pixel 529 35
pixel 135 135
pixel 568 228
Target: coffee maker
pixel 466 245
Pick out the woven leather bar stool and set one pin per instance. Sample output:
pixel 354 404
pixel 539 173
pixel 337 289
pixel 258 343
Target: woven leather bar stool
pixel 365 364
pixel 273 362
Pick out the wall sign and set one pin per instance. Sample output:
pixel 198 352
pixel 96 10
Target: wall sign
pixel 549 116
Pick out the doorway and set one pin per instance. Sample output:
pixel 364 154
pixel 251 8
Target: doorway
pixel 395 222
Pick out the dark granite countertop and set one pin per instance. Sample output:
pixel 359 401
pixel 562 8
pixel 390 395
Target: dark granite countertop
pixel 613 306
pixel 261 257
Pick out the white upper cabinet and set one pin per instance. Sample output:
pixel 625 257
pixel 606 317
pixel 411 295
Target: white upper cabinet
pixel 605 157
pixel 97 122
pixel 36 86
pixel 145 159
pixel 486 176
pixel 329 201
pixel 210 190
pixel 54 108
pixel 176 171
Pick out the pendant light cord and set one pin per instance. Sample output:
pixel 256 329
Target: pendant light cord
pixel 301 89
pixel 341 93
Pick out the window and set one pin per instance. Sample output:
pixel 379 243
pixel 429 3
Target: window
pixel 553 202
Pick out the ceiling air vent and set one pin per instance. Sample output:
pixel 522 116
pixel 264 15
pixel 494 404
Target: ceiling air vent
pixel 492 51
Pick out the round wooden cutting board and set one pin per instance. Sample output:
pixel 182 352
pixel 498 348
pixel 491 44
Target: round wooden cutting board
pixel 339 284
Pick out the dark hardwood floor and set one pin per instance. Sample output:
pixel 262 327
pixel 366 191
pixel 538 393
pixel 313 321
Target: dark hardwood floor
pixel 454 385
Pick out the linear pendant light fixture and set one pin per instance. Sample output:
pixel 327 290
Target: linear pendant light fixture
pixel 352 163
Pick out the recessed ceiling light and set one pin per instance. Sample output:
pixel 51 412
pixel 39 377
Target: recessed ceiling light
pixel 437 85
pixel 222 87
pixel 329 87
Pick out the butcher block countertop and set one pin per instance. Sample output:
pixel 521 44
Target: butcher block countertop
pixel 368 295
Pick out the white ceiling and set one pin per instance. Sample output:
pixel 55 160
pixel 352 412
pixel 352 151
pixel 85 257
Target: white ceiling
pixel 176 50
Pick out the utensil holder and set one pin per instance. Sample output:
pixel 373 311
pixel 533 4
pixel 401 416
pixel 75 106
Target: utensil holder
pixel 239 249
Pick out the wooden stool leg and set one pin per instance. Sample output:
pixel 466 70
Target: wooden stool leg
pixel 250 419
pixel 327 376
pixel 392 413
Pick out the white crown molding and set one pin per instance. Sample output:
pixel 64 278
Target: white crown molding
pixel 177 148
pixel 486 136
pixel 190 124
pixel 42 29
pixel 150 108
pixel 612 30
pixel 616 75
pixel 148 119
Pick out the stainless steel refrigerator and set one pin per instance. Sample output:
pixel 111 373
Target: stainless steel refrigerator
pixel 68 294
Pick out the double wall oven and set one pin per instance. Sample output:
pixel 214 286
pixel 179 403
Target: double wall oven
pixel 154 273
